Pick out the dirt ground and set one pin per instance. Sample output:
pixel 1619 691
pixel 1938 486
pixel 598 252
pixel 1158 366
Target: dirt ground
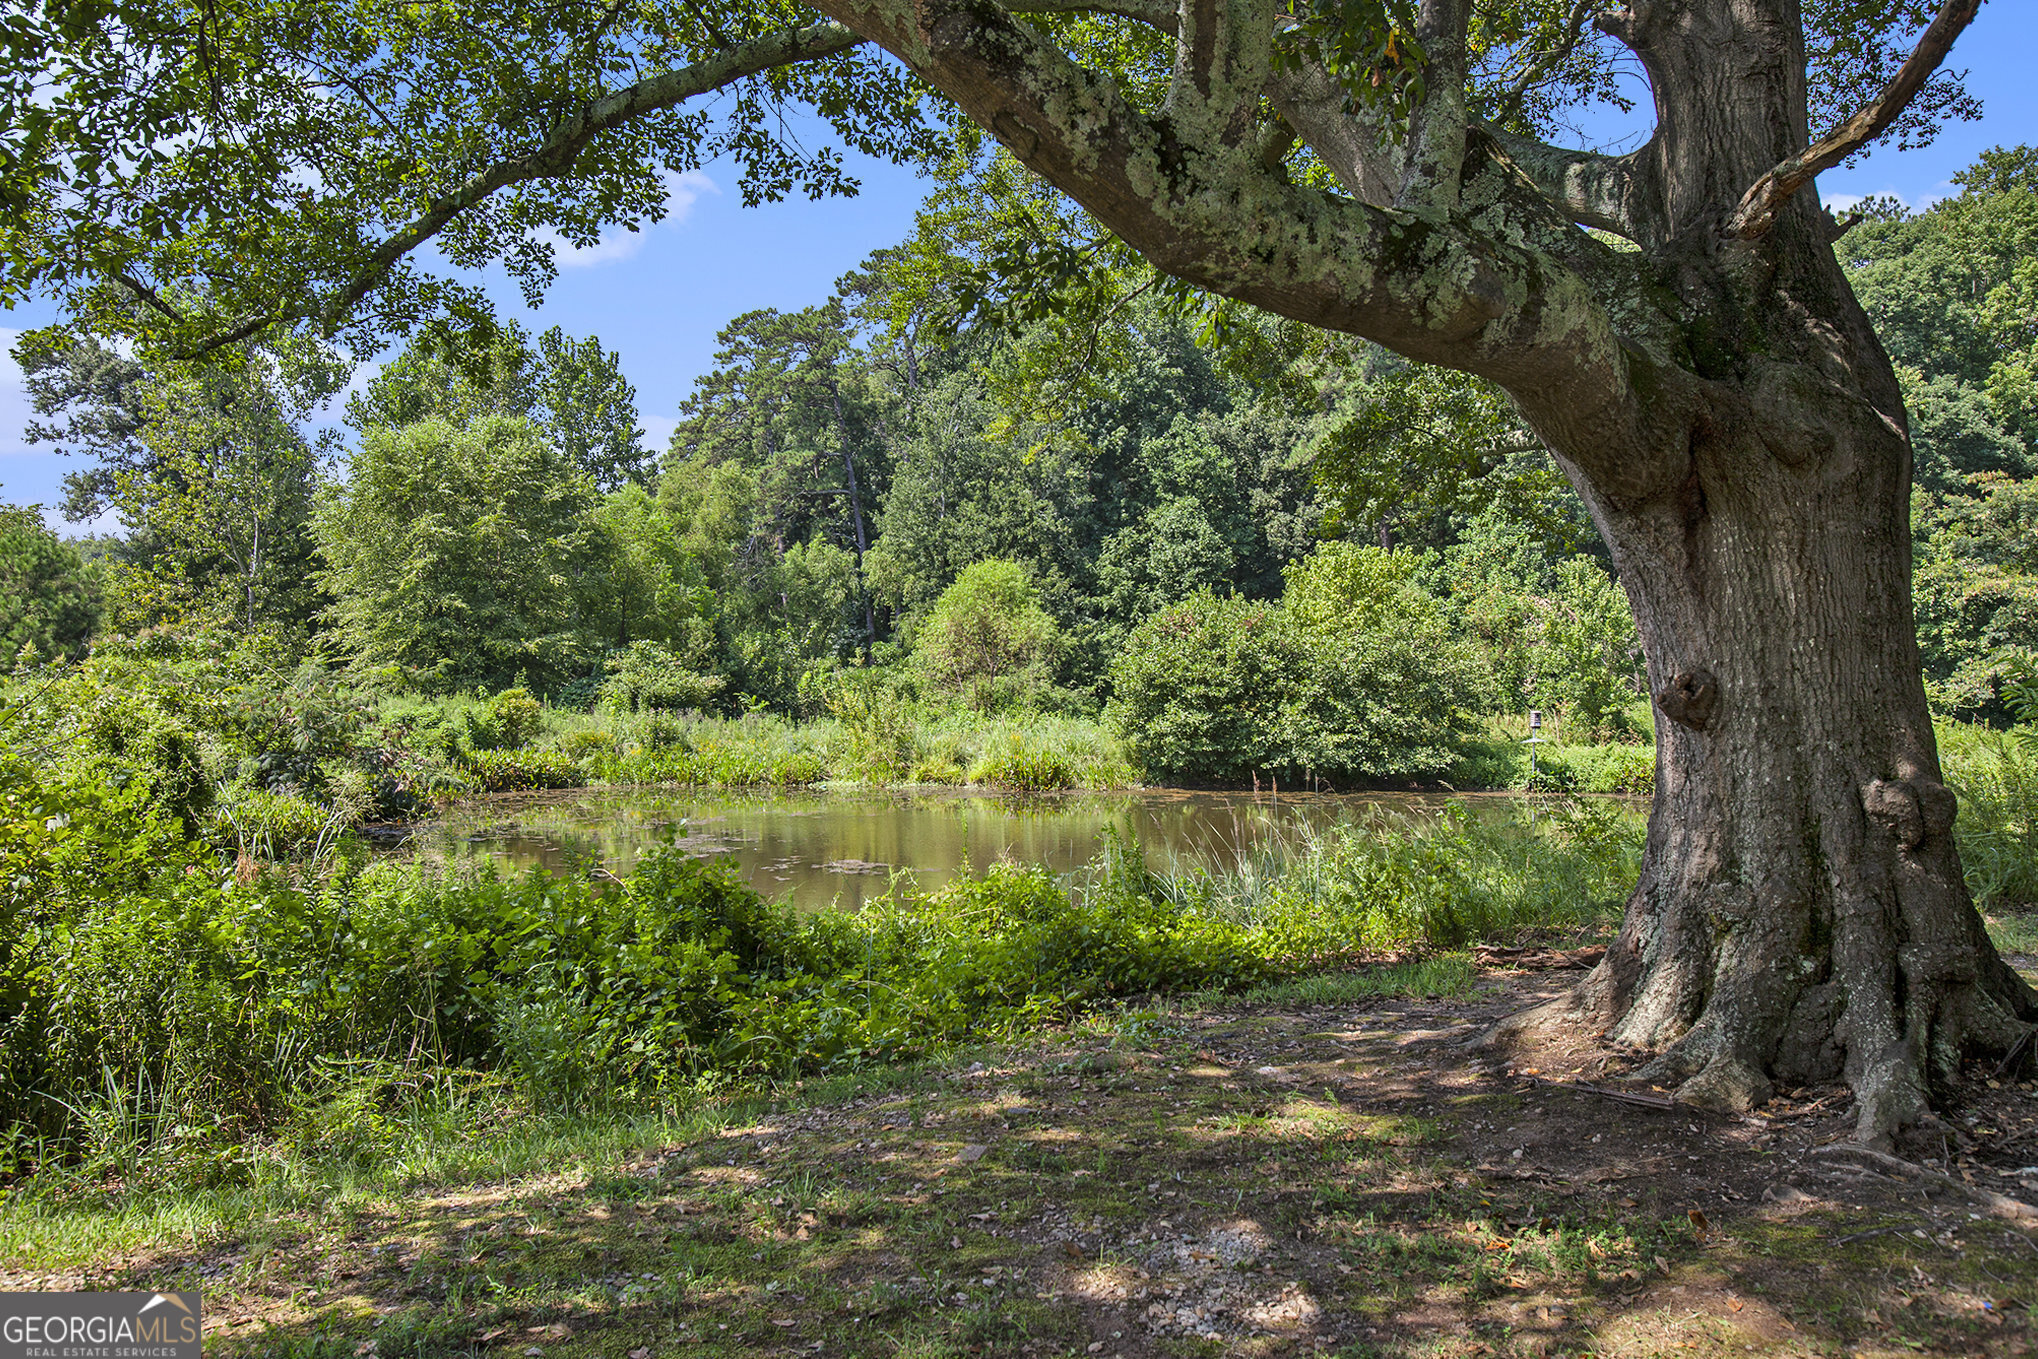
pixel 1354 1180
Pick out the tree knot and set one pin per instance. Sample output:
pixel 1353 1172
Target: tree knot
pixel 1689 698
pixel 1910 809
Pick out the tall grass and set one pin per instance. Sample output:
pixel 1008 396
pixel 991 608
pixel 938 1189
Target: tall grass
pixel 1384 883
pixel 1033 753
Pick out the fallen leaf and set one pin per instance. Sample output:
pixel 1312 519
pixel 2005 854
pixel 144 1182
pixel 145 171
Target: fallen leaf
pixel 1698 1224
pixel 784 1321
pixel 644 1353
pixel 973 1152
pixel 365 1347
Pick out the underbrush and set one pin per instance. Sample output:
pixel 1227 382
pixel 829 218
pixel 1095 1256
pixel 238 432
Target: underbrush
pixel 195 1027
pixel 1500 758
pixel 1995 776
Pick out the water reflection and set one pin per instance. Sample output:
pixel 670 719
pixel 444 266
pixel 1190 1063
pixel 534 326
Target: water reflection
pixel 841 849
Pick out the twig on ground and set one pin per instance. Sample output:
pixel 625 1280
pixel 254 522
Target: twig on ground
pixel 2016 1050
pixel 1873 1231
pixel 1608 1092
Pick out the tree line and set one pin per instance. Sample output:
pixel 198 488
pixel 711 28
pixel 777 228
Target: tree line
pixel 498 519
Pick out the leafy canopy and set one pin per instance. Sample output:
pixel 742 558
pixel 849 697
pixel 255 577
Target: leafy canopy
pixel 190 175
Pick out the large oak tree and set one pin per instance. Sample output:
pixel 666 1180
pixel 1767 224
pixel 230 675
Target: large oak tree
pixel 1670 321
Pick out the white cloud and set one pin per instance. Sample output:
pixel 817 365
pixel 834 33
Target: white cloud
pixel 682 191
pixel 1844 202
pixel 658 431
pixel 14 409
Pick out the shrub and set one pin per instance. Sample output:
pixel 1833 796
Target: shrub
pixel 1025 767
pixel 1355 675
pixel 878 728
pixel 1615 768
pixel 515 717
pixel 1198 689
pixel 1383 686
pixel 585 743
pixel 987 641
pixel 1590 661
pixel 646 677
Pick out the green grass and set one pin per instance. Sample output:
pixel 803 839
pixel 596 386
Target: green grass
pixel 1494 874
pixel 1444 975
pixel 2015 933
pixel 205 1028
pixel 1138 1183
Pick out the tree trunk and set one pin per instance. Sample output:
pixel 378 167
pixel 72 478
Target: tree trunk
pixel 1801 914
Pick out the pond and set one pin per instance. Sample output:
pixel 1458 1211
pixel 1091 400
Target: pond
pixel 844 848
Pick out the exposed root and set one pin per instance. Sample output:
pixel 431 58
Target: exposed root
pixel 1997 1205
pixel 1533 1023
pixel 1894 1090
pixel 1726 1084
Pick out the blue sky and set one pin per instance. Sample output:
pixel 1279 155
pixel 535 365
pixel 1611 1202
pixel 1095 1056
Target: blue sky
pixel 658 296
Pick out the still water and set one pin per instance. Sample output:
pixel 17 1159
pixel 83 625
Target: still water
pixel 841 849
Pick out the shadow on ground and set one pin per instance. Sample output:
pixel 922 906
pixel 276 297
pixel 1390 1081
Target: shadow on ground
pixel 1351 1180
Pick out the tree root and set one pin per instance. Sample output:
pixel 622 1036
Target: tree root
pixel 1997 1205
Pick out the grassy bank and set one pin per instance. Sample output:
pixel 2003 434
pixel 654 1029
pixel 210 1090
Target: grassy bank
pixel 1035 753
pixel 184 1026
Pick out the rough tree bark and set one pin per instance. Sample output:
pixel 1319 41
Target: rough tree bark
pixel 1722 404
pixel 1801 914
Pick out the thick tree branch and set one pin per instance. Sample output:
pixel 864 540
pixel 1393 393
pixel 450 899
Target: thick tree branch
pixel 1428 285
pixel 1759 205
pixel 1223 59
pixel 1434 164
pixel 1608 192
pixel 555 156
pixel 1318 108
pixel 148 296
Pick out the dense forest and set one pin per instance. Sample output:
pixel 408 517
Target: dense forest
pixel 1250 549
